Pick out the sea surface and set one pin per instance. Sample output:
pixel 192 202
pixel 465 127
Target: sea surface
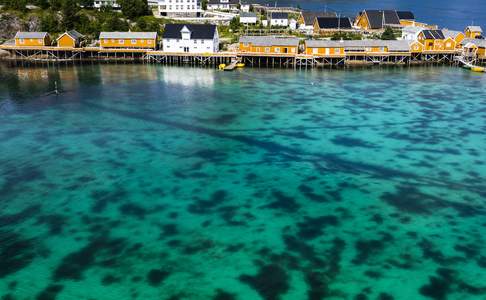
pixel 452 14
pixel 156 182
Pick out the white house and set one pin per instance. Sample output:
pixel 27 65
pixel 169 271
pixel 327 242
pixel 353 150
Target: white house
pixel 279 19
pixel 248 18
pixel 191 38
pixel 245 6
pixel 101 3
pixel 179 8
pixel 227 5
pixel 410 33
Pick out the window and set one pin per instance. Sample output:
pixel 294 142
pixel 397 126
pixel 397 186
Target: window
pixel 149 42
pixel 134 42
pixel 277 49
pixel 121 42
pixel 337 50
pixel 267 49
pixel 315 50
pixel 246 44
pixel 22 41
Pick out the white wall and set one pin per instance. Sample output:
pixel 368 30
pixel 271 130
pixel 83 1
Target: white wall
pixel 100 3
pixel 248 20
pixel 178 6
pixel 279 22
pixel 195 46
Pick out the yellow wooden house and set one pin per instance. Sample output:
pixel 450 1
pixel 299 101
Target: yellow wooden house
pixel 128 40
pixel 32 39
pixel 475 47
pixel 341 48
pixel 376 20
pixel 457 36
pixel 70 39
pixel 269 45
pixel 434 40
pixel 473 32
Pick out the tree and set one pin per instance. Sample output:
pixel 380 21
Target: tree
pixel 235 23
pixel 44 4
pixel 134 8
pixel 69 9
pixel 388 34
pixel 148 23
pixel 15 4
pixel 49 22
pixel 55 4
pixel 204 4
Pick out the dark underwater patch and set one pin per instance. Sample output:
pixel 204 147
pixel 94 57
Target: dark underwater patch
pixel 385 296
pixel 282 202
pixel 102 198
pixel 437 288
pixel 16 253
pixel 318 285
pixel 412 200
pixel 366 249
pixel 110 279
pixel 204 206
pixel 156 276
pixel 270 282
pixel 351 142
pixel 50 292
pixel 308 192
pixel 23 215
pixel 54 222
pixel 133 210
pixel 222 295
pixel 97 251
pixel 311 228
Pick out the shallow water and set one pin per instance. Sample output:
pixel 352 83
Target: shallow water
pixel 153 182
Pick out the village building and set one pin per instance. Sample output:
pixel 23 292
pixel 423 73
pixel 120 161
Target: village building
pixel 457 36
pixel 190 38
pixel 475 48
pixel 280 19
pixel 70 39
pixel 307 18
pixel 473 32
pixel 179 8
pixel 248 18
pixel 32 39
pixel 226 5
pixel 434 40
pixel 411 33
pixel 245 6
pixel 106 3
pixel 330 25
pixel 377 20
pixel 269 44
pixel 341 48
pixel 128 40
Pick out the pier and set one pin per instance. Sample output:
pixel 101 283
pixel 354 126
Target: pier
pixel 251 59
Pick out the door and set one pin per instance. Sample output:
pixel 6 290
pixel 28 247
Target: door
pixel 186 49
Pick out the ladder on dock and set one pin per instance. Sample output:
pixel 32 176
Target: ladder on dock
pixel 231 66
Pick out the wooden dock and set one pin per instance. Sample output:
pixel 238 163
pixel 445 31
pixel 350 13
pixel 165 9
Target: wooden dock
pixel 251 59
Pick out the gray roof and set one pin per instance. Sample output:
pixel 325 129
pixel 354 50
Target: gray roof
pixel 128 35
pixel 310 16
pixel 30 35
pixel 450 33
pixel 270 41
pixel 397 45
pixel 279 15
pixel 73 34
pixel 247 15
pixel 474 28
pixel 477 42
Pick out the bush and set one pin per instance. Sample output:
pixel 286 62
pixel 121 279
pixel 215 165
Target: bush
pixel 134 8
pixel 388 34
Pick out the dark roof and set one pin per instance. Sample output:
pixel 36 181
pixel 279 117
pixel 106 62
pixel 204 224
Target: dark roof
pixel 230 2
pixel 74 34
pixel 279 15
pixel 433 34
pixel 334 23
pixel 405 15
pixel 375 18
pixel 198 31
pixel 309 16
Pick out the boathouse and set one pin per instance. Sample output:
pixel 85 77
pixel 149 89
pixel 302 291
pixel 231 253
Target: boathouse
pixel 457 36
pixel 190 38
pixel 269 45
pixel 330 25
pixel 128 40
pixel 473 32
pixel 307 18
pixel 434 40
pixel 368 47
pixel 475 48
pixel 376 20
pixel 32 39
pixel 70 39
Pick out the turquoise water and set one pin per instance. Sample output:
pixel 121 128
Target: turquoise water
pixel 153 182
